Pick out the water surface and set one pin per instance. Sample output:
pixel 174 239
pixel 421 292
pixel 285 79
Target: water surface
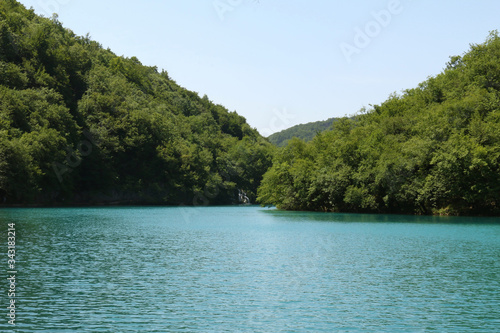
pixel 251 269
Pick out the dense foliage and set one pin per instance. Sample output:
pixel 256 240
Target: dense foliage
pixel 79 124
pixel 305 132
pixel 434 149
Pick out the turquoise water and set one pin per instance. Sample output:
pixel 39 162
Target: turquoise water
pixel 250 269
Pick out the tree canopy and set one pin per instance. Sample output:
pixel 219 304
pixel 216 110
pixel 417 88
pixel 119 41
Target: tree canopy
pixel 433 149
pixel 79 124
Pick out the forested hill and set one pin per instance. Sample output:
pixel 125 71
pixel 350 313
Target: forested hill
pixel 305 132
pixel 79 124
pixel 434 149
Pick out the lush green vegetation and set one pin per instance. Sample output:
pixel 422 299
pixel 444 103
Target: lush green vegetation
pixel 305 132
pixel 434 149
pixel 79 124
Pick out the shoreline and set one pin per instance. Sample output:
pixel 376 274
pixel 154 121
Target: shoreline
pixel 138 204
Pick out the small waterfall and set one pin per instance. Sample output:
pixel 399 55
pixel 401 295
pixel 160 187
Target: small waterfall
pixel 242 197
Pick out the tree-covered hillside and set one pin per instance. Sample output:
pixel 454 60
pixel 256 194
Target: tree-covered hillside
pixel 305 132
pixel 434 149
pixel 79 124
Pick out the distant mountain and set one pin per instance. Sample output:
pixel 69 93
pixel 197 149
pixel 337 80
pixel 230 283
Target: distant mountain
pixel 305 132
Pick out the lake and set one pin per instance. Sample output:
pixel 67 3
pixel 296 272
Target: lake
pixel 250 269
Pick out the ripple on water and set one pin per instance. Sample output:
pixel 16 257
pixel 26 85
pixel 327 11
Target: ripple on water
pixel 227 269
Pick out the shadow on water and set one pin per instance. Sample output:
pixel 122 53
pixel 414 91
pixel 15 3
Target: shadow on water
pixel 302 216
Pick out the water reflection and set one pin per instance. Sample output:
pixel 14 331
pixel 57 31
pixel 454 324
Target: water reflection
pixel 377 218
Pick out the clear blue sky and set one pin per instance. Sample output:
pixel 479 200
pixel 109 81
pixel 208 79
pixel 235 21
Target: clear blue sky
pixel 284 62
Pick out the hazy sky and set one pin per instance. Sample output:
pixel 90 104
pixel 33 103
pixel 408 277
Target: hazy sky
pixel 284 62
